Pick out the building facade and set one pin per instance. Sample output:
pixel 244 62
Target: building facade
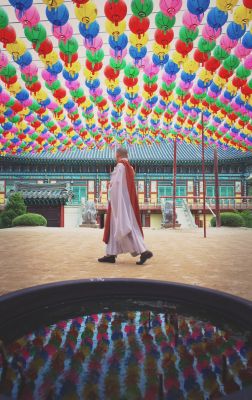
pixel 87 174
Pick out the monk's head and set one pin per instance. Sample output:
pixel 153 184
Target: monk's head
pixel 121 152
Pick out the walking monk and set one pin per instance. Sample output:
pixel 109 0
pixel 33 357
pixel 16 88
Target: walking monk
pixel 123 230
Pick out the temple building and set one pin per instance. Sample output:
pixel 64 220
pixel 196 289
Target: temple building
pixel 56 184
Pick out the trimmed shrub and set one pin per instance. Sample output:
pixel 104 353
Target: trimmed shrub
pixel 229 219
pixel 29 219
pixel 247 217
pixel 15 206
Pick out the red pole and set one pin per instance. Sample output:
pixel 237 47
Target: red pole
pixel 174 182
pixel 217 195
pixel 203 175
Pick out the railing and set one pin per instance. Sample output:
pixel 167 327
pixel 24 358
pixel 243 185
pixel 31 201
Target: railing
pixel 188 213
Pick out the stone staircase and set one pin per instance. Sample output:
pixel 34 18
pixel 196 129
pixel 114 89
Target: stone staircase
pixel 184 216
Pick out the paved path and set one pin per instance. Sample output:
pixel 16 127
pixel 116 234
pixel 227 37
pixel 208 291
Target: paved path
pixel 32 256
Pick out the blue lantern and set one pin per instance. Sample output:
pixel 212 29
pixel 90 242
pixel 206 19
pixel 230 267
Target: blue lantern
pixel 197 7
pixel 171 68
pixel 136 54
pixel 89 32
pixel 247 40
pixel 70 77
pixel 157 60
pixel 57 16
pixel 56 68
pixel 24 60
pixel 21 5
pixel 119 44
pixel 235 31
pixel 216 18
pixel 22 95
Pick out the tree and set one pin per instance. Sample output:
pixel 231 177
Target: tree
pixel 15 206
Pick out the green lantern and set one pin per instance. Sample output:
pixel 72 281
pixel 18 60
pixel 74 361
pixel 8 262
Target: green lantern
pixel 149 80
pixel 163 22
pixel 4 20
pixel 219 53
pixel 205 46
pixel 8 72
pixel 95 57
pixel 117 64
pixel 242 72
pixel 34 106
pixel 10 103
pixel 54 86
pixel 131 71
pixel 142 9
pixel 36 34
pixel 69 47
pixel 231 62
pixel 187 35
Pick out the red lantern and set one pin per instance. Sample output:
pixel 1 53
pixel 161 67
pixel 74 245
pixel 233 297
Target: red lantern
pixel 183 48
pixel 102 103
pixel 137 26
pixel 17 107
pixel 79 2
pixel 93 67
pixel 111 73
pixel 9 81
pixel 237 82
pixel 246 90
pixel 150 88
pixel 224 73
pixel 212 64
pixel 130 82
pixel 247 3
pixel 46 47
pixel 59 93
pixel 115 12
pixel 200 57
pixel 7 35
pixel 80 100
pixel 164 37
pixel 68 58
pixel 34 88
pixel 2 119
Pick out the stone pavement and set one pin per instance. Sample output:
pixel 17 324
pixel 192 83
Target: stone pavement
pixel 38 255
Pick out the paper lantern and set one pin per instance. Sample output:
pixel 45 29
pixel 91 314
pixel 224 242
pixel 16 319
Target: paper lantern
pixel 170 7
pixel 242 16
pixel 164 22
pixel 35 34
pixel 118 45
pixel 247 3
pixel 197 6
pixel 69 47
pixel 205 46
pixel 183 48
pixel 3 60
pixel 200 57
pixel 219 53
pixel 235 31
pixel 45 47
pixel 68 58
pixel 231 63
pixel 95 45
pixel 58 16
pixel 21 5
pixel 139 26
pixel 4 20
pixel 63 33
pixel 53 3
pixel 142 9
pixel 227 44
pixel 115 11
pixel 164 37
pixel 188 35
pixel 216 18
pixel 191 21
pixel 226 5
pixel 24 59
pixel 86 13
pixel 29 18
pixel 247 40
pixel 7 35
pixel 80 2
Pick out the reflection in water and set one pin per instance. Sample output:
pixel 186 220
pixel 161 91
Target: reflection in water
pixel 130 355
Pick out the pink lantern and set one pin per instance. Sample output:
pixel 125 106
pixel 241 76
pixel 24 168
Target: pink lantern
pixel 4 97
pixel 248 62
pixel 95 45
pixel 170 7
pixel 3 60
pixel 48 77
pixel 27 103
pixel 227 44
pixel 192 21
pixel 210 33
pixel 198 90
pixel 72 85
pixel 52 105
pixel 118 55
pixel 168 79
pixel 29 17
pixel 151 70
pixel 241 51
pixel 96 92
pixel 30 70
pixel 63 33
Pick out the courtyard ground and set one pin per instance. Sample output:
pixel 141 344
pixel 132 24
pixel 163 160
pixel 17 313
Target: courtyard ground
pixel 38 255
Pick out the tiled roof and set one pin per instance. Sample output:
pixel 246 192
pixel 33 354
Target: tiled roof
pixel 44 193
pixel 154 153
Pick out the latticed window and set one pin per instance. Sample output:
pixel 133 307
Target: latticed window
pixel 79 192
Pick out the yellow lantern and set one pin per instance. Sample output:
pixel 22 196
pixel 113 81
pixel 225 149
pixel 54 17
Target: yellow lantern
pixel 73 68
pixel 190 66
pixel 137 41
pixel 115 30
pixel 16 49
pixel 15 88
pixel 177 58
pixel 50 58
pixel 53 3
pixel 226 5
pixel 86 13
pixel 242 15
